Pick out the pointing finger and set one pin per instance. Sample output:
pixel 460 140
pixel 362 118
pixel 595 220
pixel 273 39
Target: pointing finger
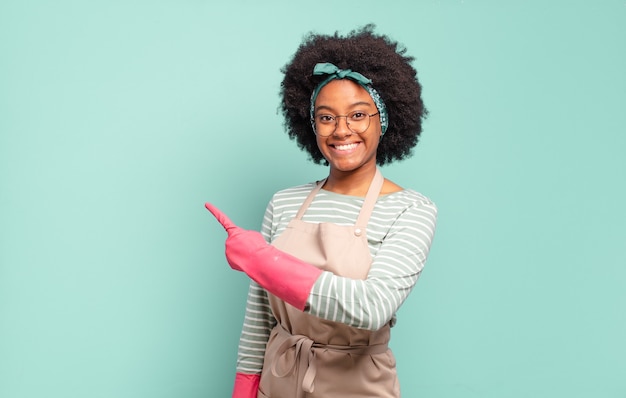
pixel 220 216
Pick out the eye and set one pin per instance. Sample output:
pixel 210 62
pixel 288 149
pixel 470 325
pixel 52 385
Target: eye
pixel 325 119
pixel 358 115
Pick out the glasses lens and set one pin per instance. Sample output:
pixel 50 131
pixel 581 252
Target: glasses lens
pixel 357 121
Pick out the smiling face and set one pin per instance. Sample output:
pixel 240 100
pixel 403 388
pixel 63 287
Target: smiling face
pixel 345 151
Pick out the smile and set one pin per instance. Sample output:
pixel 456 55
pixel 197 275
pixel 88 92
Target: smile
pixel 346 147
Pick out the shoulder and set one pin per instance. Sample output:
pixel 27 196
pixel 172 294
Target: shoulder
pixel 405 198
pixel 393 194
pixel 412 215
pixel 289 198
pixel 293 192
pixel 406 207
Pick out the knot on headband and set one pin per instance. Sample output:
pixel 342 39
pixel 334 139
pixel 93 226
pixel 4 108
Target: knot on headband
pixel 327 68
pixel 333 72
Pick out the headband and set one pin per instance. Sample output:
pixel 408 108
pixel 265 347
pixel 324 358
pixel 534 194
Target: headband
pixel 333 73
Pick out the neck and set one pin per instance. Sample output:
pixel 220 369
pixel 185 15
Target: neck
pixel 354 183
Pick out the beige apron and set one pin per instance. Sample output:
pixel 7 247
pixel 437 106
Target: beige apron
pixel 309 357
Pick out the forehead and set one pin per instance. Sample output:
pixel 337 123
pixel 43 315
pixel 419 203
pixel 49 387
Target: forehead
pixel 343 93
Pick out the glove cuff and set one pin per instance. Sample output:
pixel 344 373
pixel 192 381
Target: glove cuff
pixel 246 385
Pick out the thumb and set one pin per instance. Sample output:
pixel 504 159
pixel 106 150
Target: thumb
pixel 220 216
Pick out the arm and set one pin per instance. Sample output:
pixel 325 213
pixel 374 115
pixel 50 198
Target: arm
pixel 280 273
pixel 371 303
pixel 257 325
pixel 366 304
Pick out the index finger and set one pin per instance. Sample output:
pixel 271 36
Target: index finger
pixel 220 216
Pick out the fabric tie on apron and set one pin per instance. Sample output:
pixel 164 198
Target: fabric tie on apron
pixel 305 355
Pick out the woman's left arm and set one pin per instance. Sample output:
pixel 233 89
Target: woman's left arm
pixel 367 304
pixel 371 303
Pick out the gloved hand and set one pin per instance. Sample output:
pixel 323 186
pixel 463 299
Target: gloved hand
pixel 280 273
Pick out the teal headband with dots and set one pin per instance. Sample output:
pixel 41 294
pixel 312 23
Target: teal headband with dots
pixel 333 73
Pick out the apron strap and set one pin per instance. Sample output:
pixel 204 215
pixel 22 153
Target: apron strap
pixel 370 200
pixel 309 199
pixel 368 204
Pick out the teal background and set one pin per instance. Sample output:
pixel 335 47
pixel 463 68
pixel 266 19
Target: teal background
pixel 118 119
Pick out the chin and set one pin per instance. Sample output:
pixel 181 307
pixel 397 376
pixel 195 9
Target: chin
pixel 346 168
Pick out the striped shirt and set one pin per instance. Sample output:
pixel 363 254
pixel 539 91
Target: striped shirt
pixel 399 234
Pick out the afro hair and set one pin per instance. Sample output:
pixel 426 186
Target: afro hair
pixel 375 56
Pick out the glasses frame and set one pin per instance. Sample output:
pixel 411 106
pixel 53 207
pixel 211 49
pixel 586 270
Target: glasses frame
pixel 336 119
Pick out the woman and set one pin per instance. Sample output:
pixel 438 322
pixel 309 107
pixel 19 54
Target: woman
pixel 335 259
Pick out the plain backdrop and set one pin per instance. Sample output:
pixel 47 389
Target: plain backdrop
pixel 119 119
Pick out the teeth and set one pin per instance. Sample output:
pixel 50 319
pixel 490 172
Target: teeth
pixel 345 147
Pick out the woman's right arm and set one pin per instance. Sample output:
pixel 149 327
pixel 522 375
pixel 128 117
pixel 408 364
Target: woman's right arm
pixel 258 323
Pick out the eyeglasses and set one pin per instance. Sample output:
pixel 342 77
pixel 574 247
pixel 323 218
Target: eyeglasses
pixel 325 125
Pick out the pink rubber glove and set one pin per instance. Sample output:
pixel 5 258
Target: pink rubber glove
pixel 281 274
pixel 246 385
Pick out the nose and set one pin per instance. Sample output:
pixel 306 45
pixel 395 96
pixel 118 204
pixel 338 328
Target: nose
pixel 341 127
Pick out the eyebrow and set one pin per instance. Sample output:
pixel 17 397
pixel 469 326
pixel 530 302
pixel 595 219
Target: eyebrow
pixel 328 108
